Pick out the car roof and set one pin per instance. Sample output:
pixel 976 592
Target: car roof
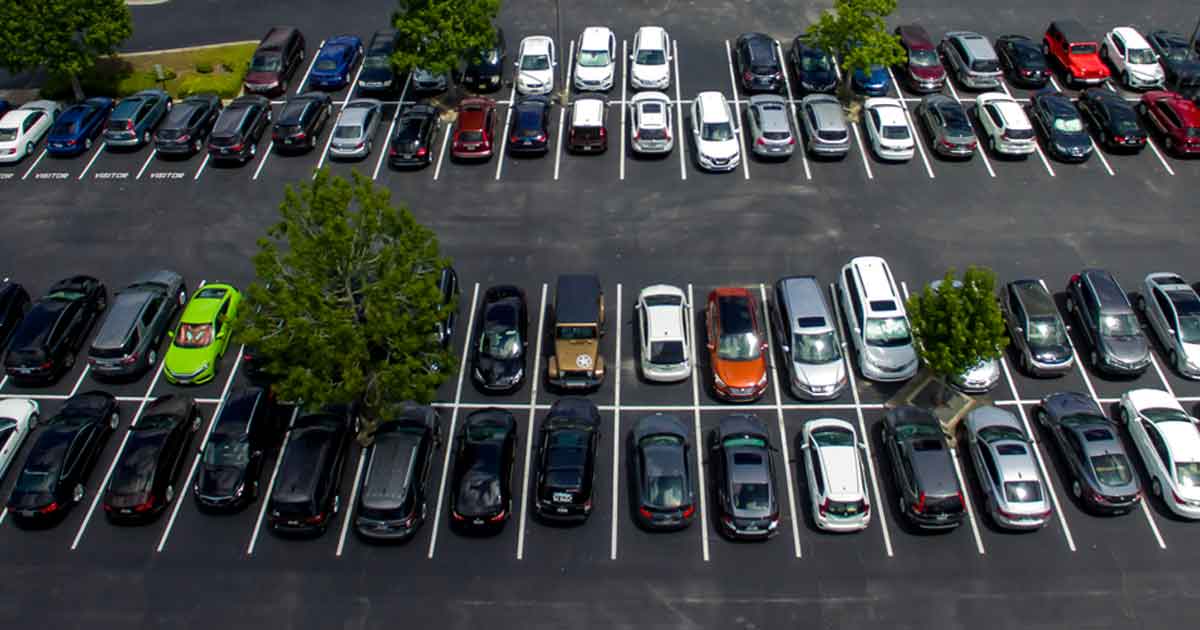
pixel 890 112
pixel 203 309
pixel 712 107
pixel 649 119
pixel 760 44
pixel 390 469
pixel 16 116
pixel 976 45
pixel 1111 296
pixel 276 37
pixel 356 113
pixel 660 424
pixel 805 302
pixel 1058 104
pixel 238 411
pixel 875 282
pixel 1073 31
pixel 827 110
pixel 594 38
pixel 1131 36
pixel 1010 110
pixel 664 322
pixel 1187 110
pixel 1036 300
pixel 587 112
pixel 123 312
pixel 655 35
pixel 1183 439
pixel 577 299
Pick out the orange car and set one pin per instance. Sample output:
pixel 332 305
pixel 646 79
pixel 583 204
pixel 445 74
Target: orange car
pixel 737 345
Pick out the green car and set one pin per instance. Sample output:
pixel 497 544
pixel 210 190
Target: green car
pixel 203 335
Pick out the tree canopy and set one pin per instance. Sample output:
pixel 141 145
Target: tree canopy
pixel 857 32
pixel 959 323
pixel 346 300
pixel 436 34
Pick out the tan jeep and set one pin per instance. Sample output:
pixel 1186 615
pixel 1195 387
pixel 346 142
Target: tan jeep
pixel 578 325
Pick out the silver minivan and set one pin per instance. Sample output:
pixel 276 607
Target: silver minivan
pixel 972 59
pixel 825 130
pixel 876 320
pixel 806 334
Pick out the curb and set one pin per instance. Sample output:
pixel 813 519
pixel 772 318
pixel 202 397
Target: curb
pixel 145 3
pixel 184 49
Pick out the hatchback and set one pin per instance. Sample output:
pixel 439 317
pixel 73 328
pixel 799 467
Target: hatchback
pixel 134 119
pixel 836 474
pixel 660 456
pixel 473 133
pixel 1108 323
pixel 770 126
pixel 922 69
pixel 140 318
pixel 1006 125
pixel 759 68
pixel 923 469
pixel 743 463
pixel 239 129
pixel 302 121
pixel 187 127
pixel 825 129
pixel 305 498
pixel 393 497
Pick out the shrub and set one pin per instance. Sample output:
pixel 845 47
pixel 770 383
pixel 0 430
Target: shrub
pixel 204 67
pixel 226 85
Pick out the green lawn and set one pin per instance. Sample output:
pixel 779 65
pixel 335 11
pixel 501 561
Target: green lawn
pixel 219 69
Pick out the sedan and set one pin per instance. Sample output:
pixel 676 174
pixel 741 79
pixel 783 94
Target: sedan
pixel 737 345
pixel 239 128
pixel 485 66
pixel 535 64
pixel 377 74
pixel 770 126
pixel 203 335
pixel 825 126
pixel 474 129
pixel 1015 496
pixel 1113 119
pixel 813 67
pixel 873 81
pixel 18 419
pixel 1169 442
pixel 566 460
pixel 44 345
pixel 888 130
pixel 923 469
pixel 949 130
pixel 1101 474
pixel 354 133
pixel 142 315
pixel 76 128
pixel 499 354
pixel 1172 307
pixel 52 479
pixel 233 457
pixel 742 460
pixel 1175 118
pixel 650 118
pixel 481 486
pixel 301 121
pixel 413 143
pixel 664 333
pixel 143 479
pixel 23 128
pixel 393 499
pixel 335 60
pixel 187 127
pixel 134 119
pixel 661 475
pixel 1061 127
pixel 305 498
pixel 1022 59
pixel 530 127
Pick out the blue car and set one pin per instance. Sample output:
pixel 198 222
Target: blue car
pixel 76 128
pixel 4 106
pixel 335 60
pixel 875 82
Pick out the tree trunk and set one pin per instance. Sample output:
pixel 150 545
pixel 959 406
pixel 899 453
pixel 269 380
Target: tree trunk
pixel 76 87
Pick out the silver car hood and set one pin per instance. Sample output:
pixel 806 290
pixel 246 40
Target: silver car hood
pixel 820 375
pixel 891 358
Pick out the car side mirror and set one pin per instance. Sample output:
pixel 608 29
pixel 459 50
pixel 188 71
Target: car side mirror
pixel 786 348
pixel 1018 330
pixel 804 446
pixel 171 334
pixel 1170 331
pixel 710 346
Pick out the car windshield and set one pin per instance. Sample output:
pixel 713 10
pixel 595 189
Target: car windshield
pixel 326 65
pixel 994 433
pixel 666 352
pixel 266 63
pixel 1068 124
pixel 1112 469
pixel 1141 56
pixel 64 128
pixel 194 335
pixel 535 62
pixel 1189 328
pixel 887 332
pixel 470 136
pixel 1023 491
pixel 815 63
pixel 923 58
pixel 739 347
pixel 1125 121
pixel 378 62
pixel 751 496
pixel 593 58
pixel 1030 56
pixel 646 57
pixel 227 451
pixel 1046 331
pixel 1083 49
pixel 500 343
pixel 815 348
pixel 1187 474
pixel 1125 325
pixel 716 132
pixel 1192 132
pixel 8 134
pixel 576 332
pixel 1165 414
pixel 895 132
pixel 916 432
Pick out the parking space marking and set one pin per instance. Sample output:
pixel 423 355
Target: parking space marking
pixel 304 79
pixel 863 152
pixel 153 152
pixel 392 126
pixel 1161 376
pixel 362 459
pixel 504 137
pixel 1154 147
pixel 624 82
pixel 962 483
pixel 342 108
pixel 1054 82
pixel 912 125
pixel 437 170
pixel 87 368
pixel 787 81
pixel 266 156
pixel 616 427
pixel 202 165
pixel 95 156
pixel 982 151
pixel 30 170
pixel 562 110
pixel 737 111
pixel 773 377
pixel 265 498
pixel 682 144
pixel 698 439
pixel 1037 144
pixel 862 426
pixel 535 378
pixel 1100 154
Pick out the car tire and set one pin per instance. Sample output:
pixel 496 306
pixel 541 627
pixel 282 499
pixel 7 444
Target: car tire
pixel 28 148
pixel 1070 305
pixel 1123 415
pixel 78 492
pixel 182 297
pixel 1156 488
pixel 69 362
pixel 195 424
pixel 1125 79
pixel 1025 366
pixel 992 146
pixel 169 493
pixel 114 421
pixel 1170 144
pixel 197 145
pixel 1042 418
pixel 152 357
pixel 1095 358
pixel 145 138
pixel 1175 361
pixel 87 144
pixel 1077 490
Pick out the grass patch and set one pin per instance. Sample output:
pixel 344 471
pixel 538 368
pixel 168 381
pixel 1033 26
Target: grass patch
pixel 219 69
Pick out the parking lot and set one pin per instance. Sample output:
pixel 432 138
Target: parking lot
pixel 634 222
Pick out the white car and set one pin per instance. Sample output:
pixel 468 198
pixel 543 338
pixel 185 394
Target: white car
pixel 1172 307
pixel 536 61
pixel 596 59
pixel 650 62
pixel 18 418
pixel 836 475
pixel 887 127
pixel 21 129
pixel 715 131
pixel 650 116
pixel 1169 443
pixel 1130 53
pixel 1005 123
pixel 664 333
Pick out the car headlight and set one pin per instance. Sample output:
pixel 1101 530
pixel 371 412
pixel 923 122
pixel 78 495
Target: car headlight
pixel 240 489
pixel 495 79
pixel 271 85
pixel 717 380
pixel 762 380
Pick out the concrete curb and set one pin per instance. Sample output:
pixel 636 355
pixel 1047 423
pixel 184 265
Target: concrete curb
pixel 145 3
pixel 185 49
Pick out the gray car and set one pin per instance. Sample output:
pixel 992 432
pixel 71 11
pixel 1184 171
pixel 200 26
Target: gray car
pixel 424 81
pixel 354 133
pixel 927 485
pixel 1013 490
pixel 807 336
pixel 1173 309
pixel 825 130
pixel 139 317
pixel 948 128
pixel 971 59
pixel 770 126
pixel 1101 475
pixel 1036 329
pixel 1108 323
pixel 133 121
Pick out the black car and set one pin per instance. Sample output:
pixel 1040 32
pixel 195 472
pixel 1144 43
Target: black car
pixel 1113 119
pixel 392 501
pixel 922 468
pixel 231 463
pixel 305 497
pixel 377 74
pixel 759 68
pixel 14 303
pixel 1063 132
pixel 143 479
pixel 1101 473
pixel 239 128
pixel 188 125
pixel 661 472
pixel 499 353
pixel 301 122
pixel 412 144
pixel 742 460
pixel 566 453
pixel 530 126
pixel 56 470
pixel 481 490
pixel 45 343
pixel 1036 328
pixel 1182 69
pixel 813 67
pixel 1022 60
pixel 485 68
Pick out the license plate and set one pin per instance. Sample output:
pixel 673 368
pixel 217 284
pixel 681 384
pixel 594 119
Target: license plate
pixel 28 513
pixel 561 497
pixel 478 521
pixel 562 510
pixel 226 151
pixel 752 528
pixel 25 370
pixel 942 517
pixel 126 511
pixel 289 141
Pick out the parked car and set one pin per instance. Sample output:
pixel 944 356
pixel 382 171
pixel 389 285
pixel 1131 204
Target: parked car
pixel 393 496
pixel 972 60
pixel 143 478
pixel 1112 119
pixel 354 131
pixel 1168 440
pixel 578 323
pixel 378 76
pixel 474 129
pixel 427 82
pixel 759 68
pixel 1023 60
pixel 14 304
pixel 535 65
pixel 949 129
pixel 872 82
pixel 530 126
pixel 596 59
pixel 485 67
pixel 588 129
pixel 1008 130
pixel 23 128
pixel 922 469
pixel 887 129
pixel 1061 126
pixel 737 345
pixel 305 498
pixel 714 129
pixel 481 486
pixel 501 349
pixel 922 69
pixel 876 321
pixel 1130 54
pixel 133 121
pixel 203 335
pixel 234 456
pixel 239 128
pixel 1172 308
pixel 412 145
pixel 650 118
pixel 275 61
pixel 566 460
pixel 1179 67
pixel 813 67
pixel 770 126
pixel 45 343
pixel 1108 323
pixel 1037 331
pixel 660 458
pixel 806 335
pixel 18 418
pixel 664 333
pixel 1013 491
pixel 75 129
pixel 836 475
pixel 743 465
pixel 302 121
pixel 335 61
pixel 140 318
pixel 979 378
pixel 1175 118
pixel 185 130
pixel 826 132
pixel 650 60
pixel 54 475
pixel 1099 470
pixel 1075 51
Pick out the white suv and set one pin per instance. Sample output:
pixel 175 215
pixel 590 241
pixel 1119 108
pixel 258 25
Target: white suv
pixel 664 333
pixel 877 322
pixel 535 65
pixel 650 63
pixel 596 59
pixel 715 131
pixel 651 122
pixel 837 480
pixel 1005 123
pixel 1130 53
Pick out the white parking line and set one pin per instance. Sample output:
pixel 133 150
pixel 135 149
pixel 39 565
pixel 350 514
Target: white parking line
pixel 304 79
pixel 362 459
pixel 504 137
pixel 616 427
pixel 624 84
pixel 737 113
pixel 1037 144
pixel 912 126
pixel 861 151
pixel 342 108
pixel 1162 376
pixel 83 375
pixel 95 155
pixel 783 434
pixel 387 138
pixel 698 438
pixel 437 170
pixel 682 148
pixel 265 499
pixel 981 150
pixel 535 378
pixel 202 165
pixel 449 440
pixel 33 166
pixel 962 483
pixel 562 111
pixel 263 162
pixel 1054 83
pixel 797 127
pixel 153 152
pixel 1154 147
pixel 1100 154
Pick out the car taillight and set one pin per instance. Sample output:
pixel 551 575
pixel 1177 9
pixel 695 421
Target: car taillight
pixel 129 360
pixel 1118 138
pixel 747 76
pixel 760 142
pixel 183 138
pixel 514 139
pixel 1178 499
pixel 421 152
pixel 791 140
pixel 46 366
pixel 316 519
pixel 636 134
pixel 587 505
pixel 824 507
pixel 499 517
pixel 237 147
pixel 919 506
pixel 145 506
pixel 602 134
pixel 393 151
pixel 689 511
pixel 360 145
pixel 70 143
pixel 1027 73
pixel 53 506
pixel 961 503
pixel 1074 279
pixel 947 144
pixel 247 357
pixel 645 513
pixel 129 125
pixel 456 516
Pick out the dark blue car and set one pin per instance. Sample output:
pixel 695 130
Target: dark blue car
pixel 874 82
pixel 4 106
pixel 76 128
pixel 331 70
pixel 813 67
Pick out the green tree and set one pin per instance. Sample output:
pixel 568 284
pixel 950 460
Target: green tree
pixel 857 32
pixel 346 300
pixel 959 323
pixel 63 36
pixel 436 34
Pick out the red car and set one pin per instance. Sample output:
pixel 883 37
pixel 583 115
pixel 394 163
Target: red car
pixel 1068 44
pixel 1176 117
pixel 474 131
pixel 923 71
pixel 737 345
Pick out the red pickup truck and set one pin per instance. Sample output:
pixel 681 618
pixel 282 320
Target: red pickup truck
pixel 1067 43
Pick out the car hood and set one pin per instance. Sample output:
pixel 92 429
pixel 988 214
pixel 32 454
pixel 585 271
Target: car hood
pixel 824 374
pixel 876 76
pixel 576 355
pixel 1073 140
pixel 219 481
pixel 719 148
pixel 597 73
pixel 982 372
pixel 1144 70
pixel 259 78
pixel 535 78
pixel 496 370
pixel 185 361
pixel 1128 349
pixel 651 73
pixel 891 358
pixel 928 73
pixel 740 373
pixel 1089 63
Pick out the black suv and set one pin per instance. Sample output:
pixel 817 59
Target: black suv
pixel 14 303
pixel 232 462
pixel 302 120
pixel 758 65
pixel 239 128
pixel 187 125
pixel 485 68
pixel 1109 323
pixel 305 497
pixel 567 460
pixel 377 74
pixel 930 496
pixel 392 501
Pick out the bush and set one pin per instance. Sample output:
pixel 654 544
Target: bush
pixel 225 85
pixel 204 67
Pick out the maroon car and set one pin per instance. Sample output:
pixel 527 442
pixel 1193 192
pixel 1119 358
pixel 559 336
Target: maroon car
pixel 474 132
pixel 923 72
pixel 1174 117
pixel 276 60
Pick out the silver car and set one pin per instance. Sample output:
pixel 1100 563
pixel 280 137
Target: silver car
pixel 424 81
pixel 983 376
pixel 1010 479
pixel 972 59
pixel 770 126
pixel 1173 310
pixel 825 130
pixel 805 332
pixel 651 121
pixel 354 132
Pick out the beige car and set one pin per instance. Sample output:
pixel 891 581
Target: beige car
pixel 578 325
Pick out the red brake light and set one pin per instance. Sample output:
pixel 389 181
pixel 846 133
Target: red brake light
pixel 689 511
pixel 146 506
pixel 747 76
pixel 645 513
pixel 760 142
pixel 237 147
pixel 316 519
pixel 1178 499
pixel 49 508
pixel 919 507
pixel 129 360
pixel 183 138
pixel 960 499
pixel 421 152
pixel 499 517
pixel 602 134
pixel 456 516
pixel 824 507
pixel 46 366
pixel 247 357
pixel 129 125
pixel 1118 138
pixel 1074 279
